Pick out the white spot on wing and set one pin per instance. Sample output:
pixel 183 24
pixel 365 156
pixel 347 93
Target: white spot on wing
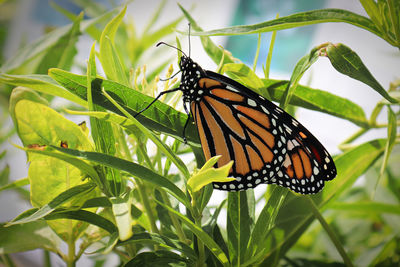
pixel 251 102
pixel 265 110
pixel 232 89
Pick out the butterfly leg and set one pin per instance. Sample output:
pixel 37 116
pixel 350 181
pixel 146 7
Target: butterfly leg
pixel 155 99
pixel 186 123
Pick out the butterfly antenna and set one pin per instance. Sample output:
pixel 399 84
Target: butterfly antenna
pixel 162 43
pixel 189 38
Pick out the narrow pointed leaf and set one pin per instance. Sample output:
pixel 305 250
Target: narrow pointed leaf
pixel 36 49
pixel 203 236
pixel 297 20
pixel 39 233
pixel 108 56
pixel 318 100
pixel 159 117
pixel 346 61
pixel 43 84
pixel 163 241
pixel 240 220
pixel 130 167
pixel 62 198
pixel 84 216
pixel 15 184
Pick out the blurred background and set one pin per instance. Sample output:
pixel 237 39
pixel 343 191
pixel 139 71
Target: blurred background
pixel 23 21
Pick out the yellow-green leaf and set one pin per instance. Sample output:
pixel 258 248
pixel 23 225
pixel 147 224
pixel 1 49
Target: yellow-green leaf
pixel 207 175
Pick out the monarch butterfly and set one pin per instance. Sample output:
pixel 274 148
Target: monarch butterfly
pixel 266 144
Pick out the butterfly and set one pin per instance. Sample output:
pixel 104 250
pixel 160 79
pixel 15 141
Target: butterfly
pixel 267 145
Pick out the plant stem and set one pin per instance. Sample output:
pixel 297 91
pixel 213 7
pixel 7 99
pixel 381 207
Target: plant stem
pixel 200 246
pixel 353 137
pixel 174 219
pixel 71 249
pixel 257 53
pixel 147 206
pixel 142 189
pixel 269 56
pixel 46 258
pixel 330 233
pixel 6 259
pixel 197 220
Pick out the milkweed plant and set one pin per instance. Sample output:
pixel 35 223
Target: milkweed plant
pixel 128 186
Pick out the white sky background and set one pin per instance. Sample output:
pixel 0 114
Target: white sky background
pixel 380 58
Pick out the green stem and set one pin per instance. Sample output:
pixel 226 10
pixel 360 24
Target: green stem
pixel 174 219
pixel 142 188
pixel 147 207
pixel 71 249
pixel 200 245
pixel 257 53
pixel 7 261
pixel 353 137
pixel 269 56
pixel 197 220
pixel 46 258
pixel 330 233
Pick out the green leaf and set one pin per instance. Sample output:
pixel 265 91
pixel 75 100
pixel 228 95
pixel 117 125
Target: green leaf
pixel 208 174
pixel 162 146
pixel 130 167
pixel 301 67
pixel 14 239
pixel 366 207
pixel 297 20
pixel 203 236
pixel 157 259
pixel 318 100
pixel 265 221
pixel 63 52
pixel 102 131
pixel 371 7
pixel 295 215
pixel 43 84
pixel 62 198
pixel 243 74
pixel 80 164
pixel 205 197
pixel 346 61
pixel 20 93
pixel 39 125
pixel 15 184
pixel 163 241
pixel 91 30
pixel 381 255
pixel 112 64
pixel 240 221
pixel 84 216
pixel 150 37
pixel 350 165
pixel 4 176
pixel 121 207
pixel 391 139
pixel 159 116
pixel 30 55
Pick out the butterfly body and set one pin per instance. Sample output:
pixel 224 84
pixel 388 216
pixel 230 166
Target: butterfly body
pixel 266 144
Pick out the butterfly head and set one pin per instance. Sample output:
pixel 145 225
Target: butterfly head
pixel 191 73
